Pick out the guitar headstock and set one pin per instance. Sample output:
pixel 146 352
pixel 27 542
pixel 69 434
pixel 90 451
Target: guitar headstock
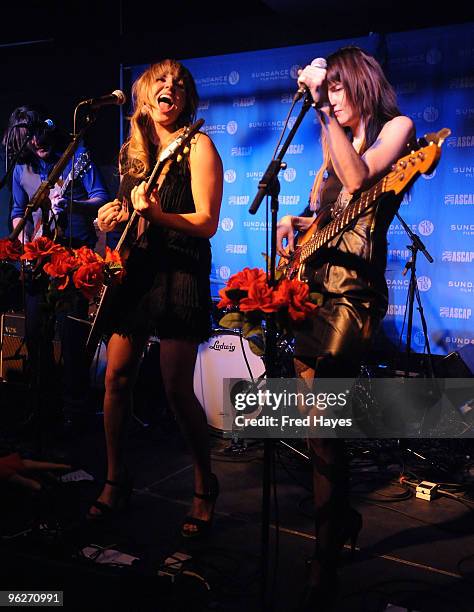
pixel 422 161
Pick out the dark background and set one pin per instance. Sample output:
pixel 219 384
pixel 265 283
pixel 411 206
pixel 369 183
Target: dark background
pixel 57 53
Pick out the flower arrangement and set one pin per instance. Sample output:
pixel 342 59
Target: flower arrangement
pixel 64 271
pixel 249 300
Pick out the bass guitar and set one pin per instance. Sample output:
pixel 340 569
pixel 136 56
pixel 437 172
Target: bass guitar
pixel 403 174
pixel 169 154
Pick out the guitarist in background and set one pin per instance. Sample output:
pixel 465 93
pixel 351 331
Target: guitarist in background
pixel 75 229
pixel 363 133
pixel 166 289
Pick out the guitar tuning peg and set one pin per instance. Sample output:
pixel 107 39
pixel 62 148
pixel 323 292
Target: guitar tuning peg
pixel 179 157
pixel 185 150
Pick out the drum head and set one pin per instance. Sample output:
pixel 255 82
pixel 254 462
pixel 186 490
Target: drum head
pixel 224 355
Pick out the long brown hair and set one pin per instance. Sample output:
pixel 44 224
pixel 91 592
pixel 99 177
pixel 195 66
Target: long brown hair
pixel 367 90
pixel 138 152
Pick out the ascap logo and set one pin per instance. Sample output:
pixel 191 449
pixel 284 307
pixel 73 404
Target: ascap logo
pixel 462 286
pixel 433 56
pixel 428 177
pixel 467 171
pixel 232 127
pixel 271 75
pixel 395 283
pixel 458 340
pixel 408 60
pixel 406 88
pixel 254 175
pixel 241 151
pixel 222 346
pixel 286 98
pixel 295 149
pixel 460 141
pixel 239 200
pixel 398 254
pixel 223 272
pixel 424 283
pixel 290 200
pixel 203 105
pixel 230 176
pixel 425 227
pixel 396 310
pixel 406 199
pixel 458 256
pixel 234 77
pixel 467 229
pixel 236 249
pixel 227 224
pixel 449 312
pixel 430 114
pixel 289 175
pixel 294 71
pixel 255 226
pixel 462 83
pixel 243 102
pixel 459 199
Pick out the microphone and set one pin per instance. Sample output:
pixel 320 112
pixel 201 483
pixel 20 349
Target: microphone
pixel 318 62
pixel 116 97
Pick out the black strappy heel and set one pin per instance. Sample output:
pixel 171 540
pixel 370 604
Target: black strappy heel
pixel 122 501
pixel 201 526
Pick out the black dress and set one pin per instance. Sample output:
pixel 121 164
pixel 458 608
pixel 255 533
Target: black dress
pixel 350 274
pixel 166 289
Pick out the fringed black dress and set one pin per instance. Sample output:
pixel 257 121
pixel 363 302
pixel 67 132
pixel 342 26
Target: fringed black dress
pixel 166 290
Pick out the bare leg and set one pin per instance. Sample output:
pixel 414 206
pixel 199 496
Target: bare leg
pixel 123 359
pixel 330 491
pixel 177 359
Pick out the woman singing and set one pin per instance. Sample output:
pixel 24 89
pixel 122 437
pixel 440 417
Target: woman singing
pixel 166 289
pixel 363 134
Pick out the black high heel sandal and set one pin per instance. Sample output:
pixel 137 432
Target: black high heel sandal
pixel 201 526
pixel 122 501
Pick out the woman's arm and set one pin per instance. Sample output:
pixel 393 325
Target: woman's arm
pixel 206 185
pixel 358 173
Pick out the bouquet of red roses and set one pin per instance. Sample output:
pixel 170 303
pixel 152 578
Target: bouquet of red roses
pixel 65 270
pixel 249 299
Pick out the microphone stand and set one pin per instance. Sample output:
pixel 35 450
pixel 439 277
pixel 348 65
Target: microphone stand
pixel 413 292
pixel 270 185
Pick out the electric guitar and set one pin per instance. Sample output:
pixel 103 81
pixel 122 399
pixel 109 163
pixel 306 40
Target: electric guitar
pixel 403 174
pixel 81 165
pixel 176 149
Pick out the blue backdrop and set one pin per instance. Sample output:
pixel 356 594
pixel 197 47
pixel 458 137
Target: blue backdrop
pixel 245 98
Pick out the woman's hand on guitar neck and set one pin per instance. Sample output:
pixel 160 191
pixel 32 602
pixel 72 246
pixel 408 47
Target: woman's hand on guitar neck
pixel 149 207
pixel 110 214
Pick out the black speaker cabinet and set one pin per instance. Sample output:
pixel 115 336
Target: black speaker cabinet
pixel 458 364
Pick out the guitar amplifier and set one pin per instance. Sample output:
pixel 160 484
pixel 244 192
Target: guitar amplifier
pixel 13 351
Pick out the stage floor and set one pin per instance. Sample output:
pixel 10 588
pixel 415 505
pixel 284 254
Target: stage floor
pixel 411 553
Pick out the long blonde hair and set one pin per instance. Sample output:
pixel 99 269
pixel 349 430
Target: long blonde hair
pixel 138 152
pixel 367 90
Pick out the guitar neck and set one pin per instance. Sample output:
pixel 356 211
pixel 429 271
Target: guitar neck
pixel 351 212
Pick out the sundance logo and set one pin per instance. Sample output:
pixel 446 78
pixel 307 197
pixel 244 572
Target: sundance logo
pixel 462 286
pixel 227 224
pixel 425 227
pixel 424 283
pixel 230 176
pixel 223 272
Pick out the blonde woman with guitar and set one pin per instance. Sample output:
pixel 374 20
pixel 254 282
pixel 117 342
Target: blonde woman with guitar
pixel 363 133
pixel 166 289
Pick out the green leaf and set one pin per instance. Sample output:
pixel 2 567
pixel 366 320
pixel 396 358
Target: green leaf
pixel 316 298
pixel 232 320
pixel 250 329
pixel 256 348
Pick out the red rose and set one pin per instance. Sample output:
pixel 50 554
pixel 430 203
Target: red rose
pixel 89 278
pixel 87 256
pixel 260 297
pixel 242 280
pixel 60 265
pixel 41 248
pixel 299 307
pixel 10 250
